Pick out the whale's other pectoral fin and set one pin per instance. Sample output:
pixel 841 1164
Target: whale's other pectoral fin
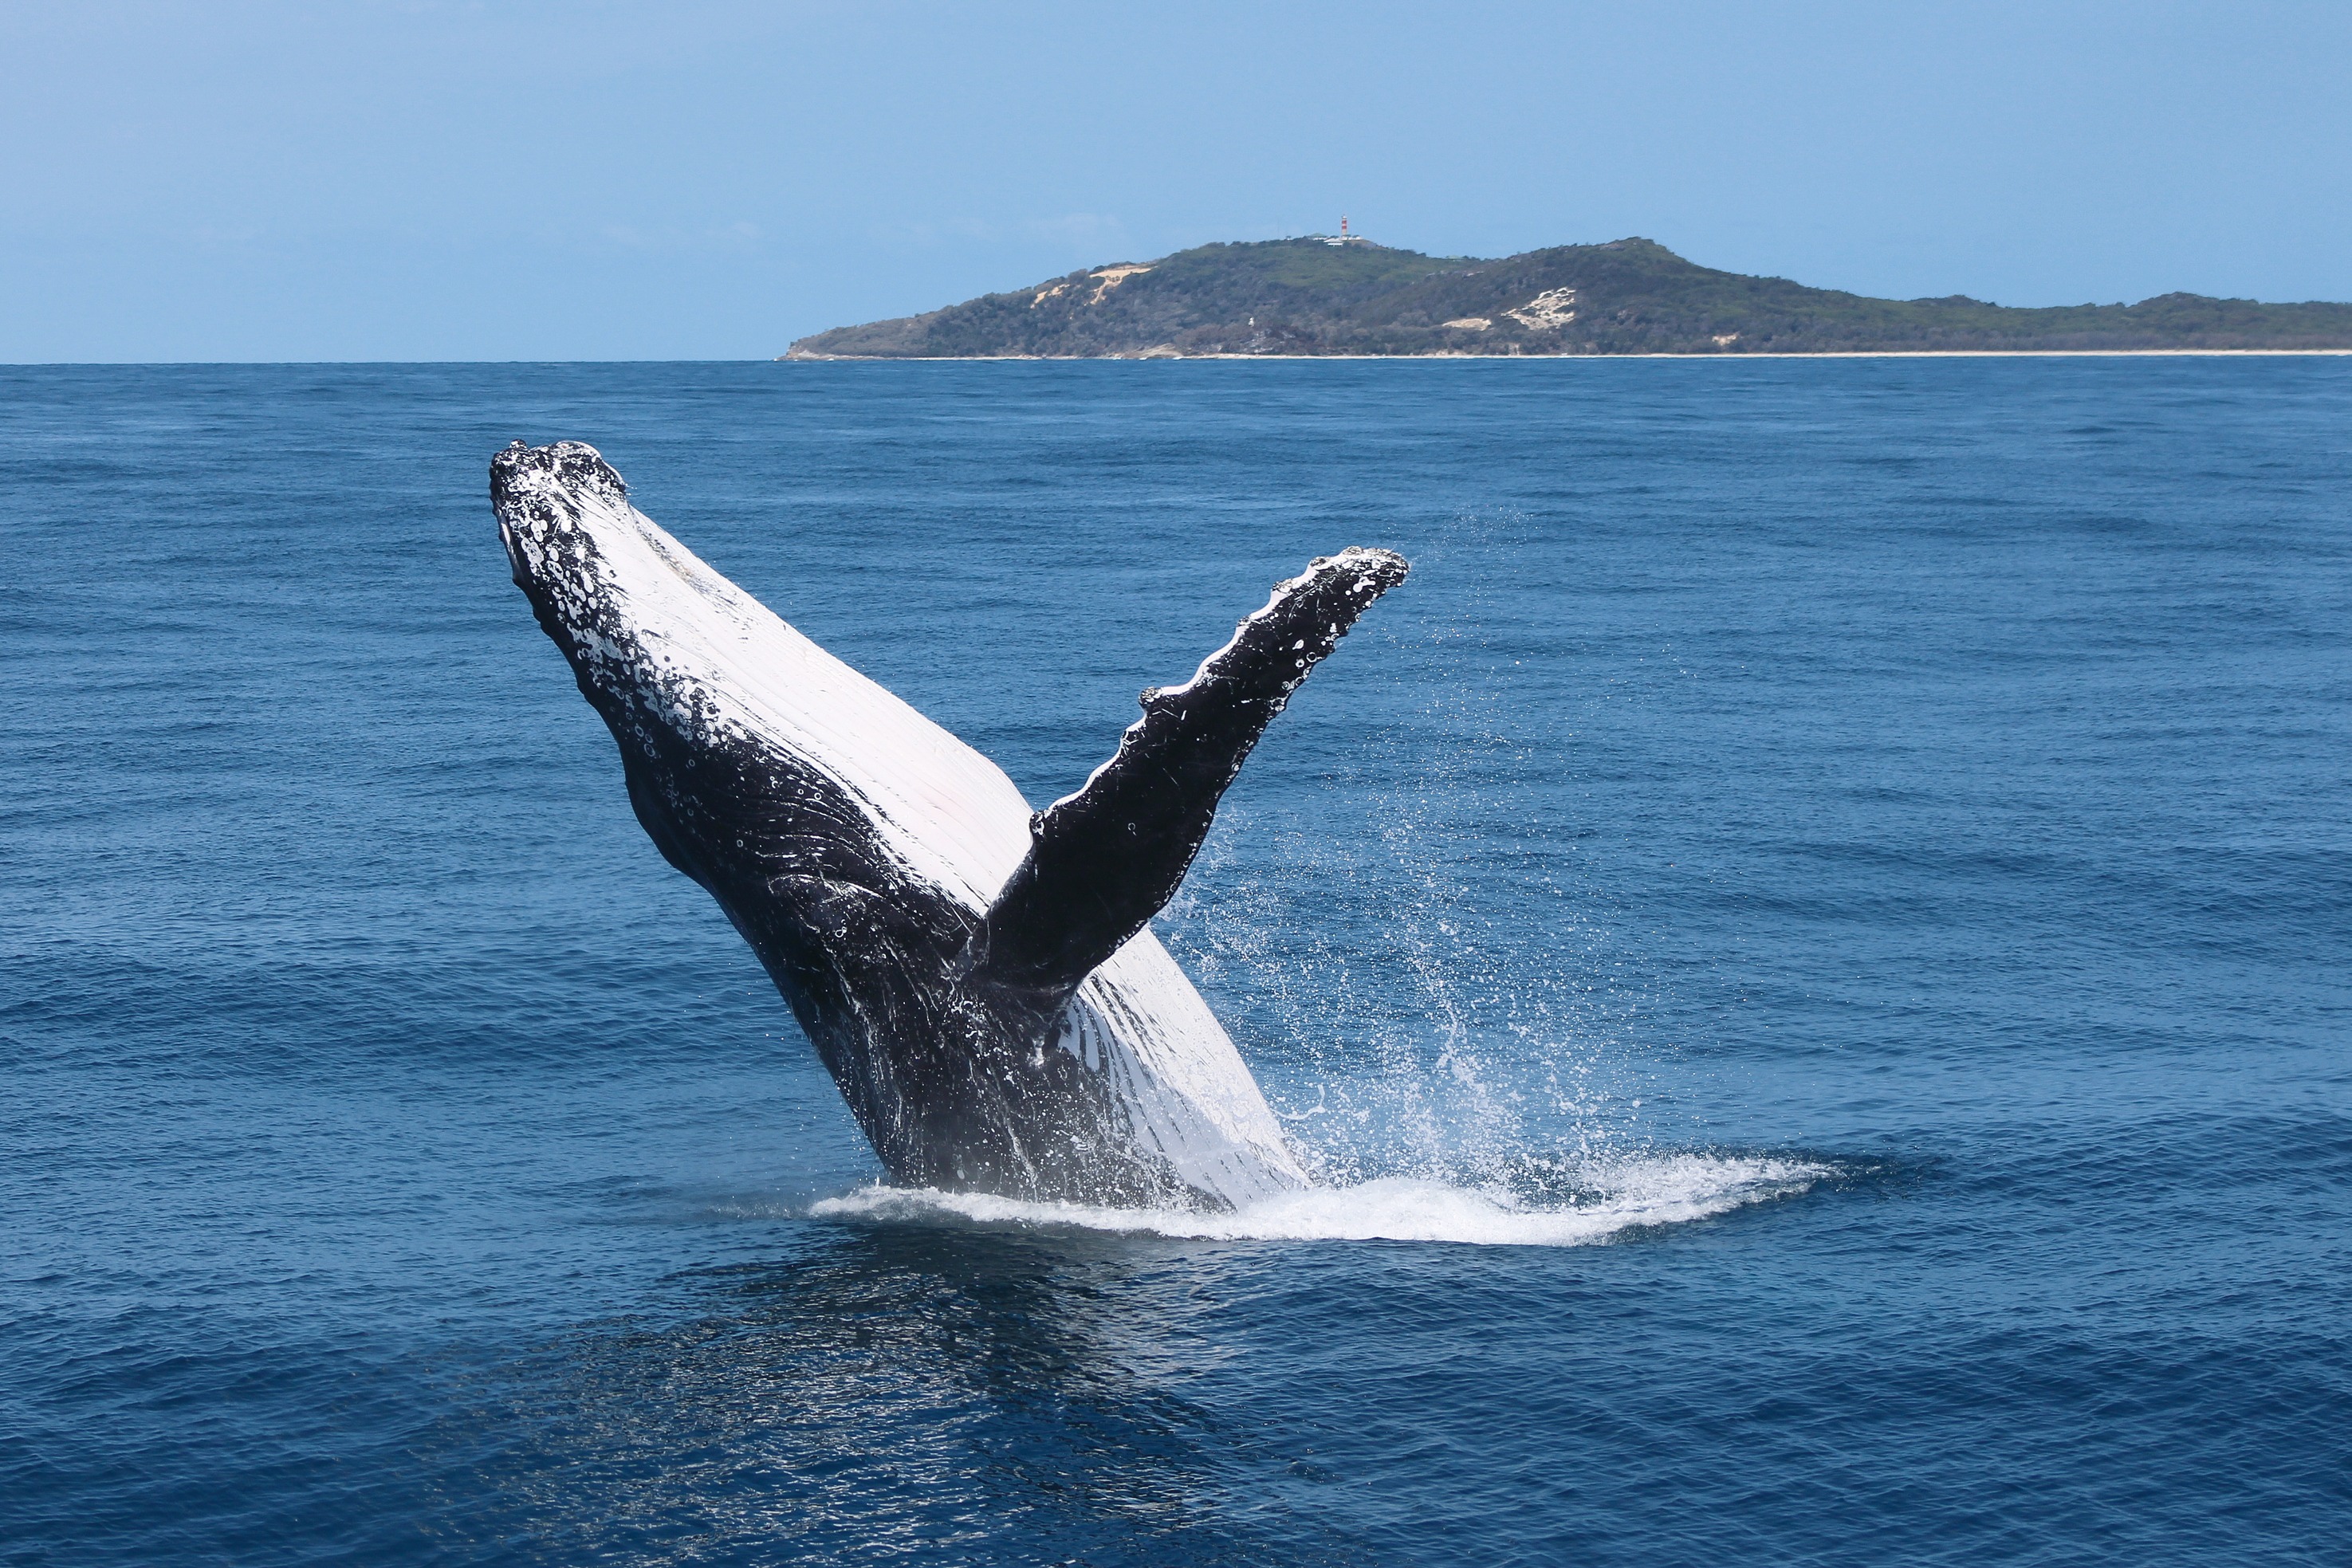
pixel 1103 860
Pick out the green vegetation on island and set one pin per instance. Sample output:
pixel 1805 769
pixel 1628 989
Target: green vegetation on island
pixel 1320 295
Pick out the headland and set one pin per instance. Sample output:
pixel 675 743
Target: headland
pixel 1322 297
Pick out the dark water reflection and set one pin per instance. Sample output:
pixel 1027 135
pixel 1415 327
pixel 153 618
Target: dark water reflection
pixel 896 1391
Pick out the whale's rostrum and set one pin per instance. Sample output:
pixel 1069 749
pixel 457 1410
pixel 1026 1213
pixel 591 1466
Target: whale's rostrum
pixel 981 981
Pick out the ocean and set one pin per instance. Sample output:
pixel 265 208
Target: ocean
pixel 1807 945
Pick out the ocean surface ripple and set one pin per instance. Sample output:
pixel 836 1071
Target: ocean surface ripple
pixel 1807 947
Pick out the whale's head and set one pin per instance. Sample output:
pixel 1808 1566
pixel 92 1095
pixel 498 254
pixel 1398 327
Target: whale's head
pixel 717 704
pixel 564 517
pixel 666 649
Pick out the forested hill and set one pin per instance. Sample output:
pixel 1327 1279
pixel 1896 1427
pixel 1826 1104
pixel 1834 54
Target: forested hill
pixel 1628 297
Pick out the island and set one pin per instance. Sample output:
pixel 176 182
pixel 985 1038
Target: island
pixel 1343 296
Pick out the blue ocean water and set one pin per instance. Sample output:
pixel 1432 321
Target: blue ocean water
pixel 1815 925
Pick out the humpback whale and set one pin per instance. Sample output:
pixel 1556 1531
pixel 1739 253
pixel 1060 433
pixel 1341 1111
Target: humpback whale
pixel 981 980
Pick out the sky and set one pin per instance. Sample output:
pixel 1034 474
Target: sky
pixel 382 181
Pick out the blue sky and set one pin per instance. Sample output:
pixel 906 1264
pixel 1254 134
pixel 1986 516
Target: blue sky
pixel 708 180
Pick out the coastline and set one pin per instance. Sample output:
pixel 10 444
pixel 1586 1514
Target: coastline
pixel 1520 359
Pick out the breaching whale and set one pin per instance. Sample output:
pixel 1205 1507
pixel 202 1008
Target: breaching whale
pixel 981 981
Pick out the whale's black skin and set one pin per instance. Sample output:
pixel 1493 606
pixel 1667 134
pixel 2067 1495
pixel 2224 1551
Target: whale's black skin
pixel 949 1026
pixel 1102 862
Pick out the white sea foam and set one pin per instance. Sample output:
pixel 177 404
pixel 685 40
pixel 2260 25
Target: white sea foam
pixel 1611 1199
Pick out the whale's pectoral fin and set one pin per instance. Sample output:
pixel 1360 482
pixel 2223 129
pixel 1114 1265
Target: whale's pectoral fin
pixel 1103 860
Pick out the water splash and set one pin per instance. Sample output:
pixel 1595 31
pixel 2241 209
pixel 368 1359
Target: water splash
pixel 1403 1013
pixel 1603 1201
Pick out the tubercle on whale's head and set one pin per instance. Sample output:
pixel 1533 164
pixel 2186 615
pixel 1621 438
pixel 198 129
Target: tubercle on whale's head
pixel 1376 570
pixel 560 468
